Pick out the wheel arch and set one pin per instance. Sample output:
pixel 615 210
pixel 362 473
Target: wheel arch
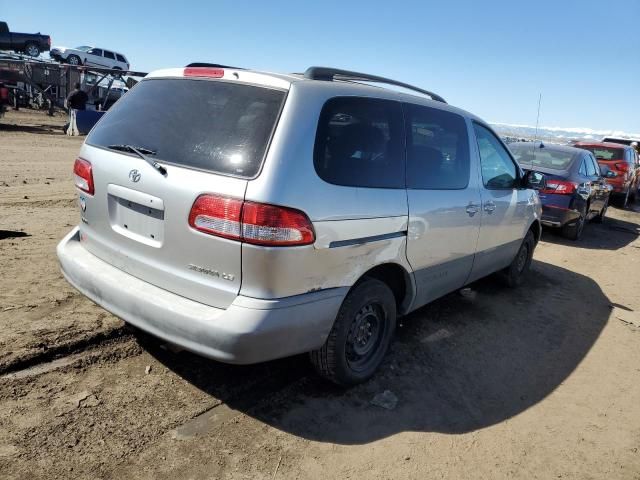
pixel 398 279
pixel 536 229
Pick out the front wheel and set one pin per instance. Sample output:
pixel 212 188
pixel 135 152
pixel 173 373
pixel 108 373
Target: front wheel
pixel 32 49
pixel 361 335
pixel 74 60
pixel 515 273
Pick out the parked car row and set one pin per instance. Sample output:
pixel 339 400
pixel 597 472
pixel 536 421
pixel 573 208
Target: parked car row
pixel 576 188
pixel 291 213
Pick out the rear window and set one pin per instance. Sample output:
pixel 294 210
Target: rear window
pixel 210 125
pixel 360 142
pixel 528 156
pixel 605 153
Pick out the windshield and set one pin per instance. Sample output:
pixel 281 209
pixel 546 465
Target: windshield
pixel 83 48
pixel 530 155
pixel 211 125
pixel 606 153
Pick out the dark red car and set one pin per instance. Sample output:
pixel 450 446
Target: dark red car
pixel 623 161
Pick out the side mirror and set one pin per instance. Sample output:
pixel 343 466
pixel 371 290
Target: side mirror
pixel 534 180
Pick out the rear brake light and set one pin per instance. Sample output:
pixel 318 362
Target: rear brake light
pixel 622 166
pixel 204 72
pixel 217 216
pixel 83 175
pixel 560 187
pixel 255 223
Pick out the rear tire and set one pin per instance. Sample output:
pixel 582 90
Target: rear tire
pixel 574 231
pixel 600 217
pixel 515 273
pixel 361 335
pixel 32 49
pixel 624 201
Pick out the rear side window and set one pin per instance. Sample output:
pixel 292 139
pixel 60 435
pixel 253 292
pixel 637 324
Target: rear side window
pixel 437 149
pixel 359 143
pixel 591 166
pixel 210 125
pixel 121 58
pixel 108 54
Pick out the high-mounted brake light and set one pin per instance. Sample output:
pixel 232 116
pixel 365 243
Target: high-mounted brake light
pixel 203 72
pixel 255 223
pixel 83 175
pixel 560 187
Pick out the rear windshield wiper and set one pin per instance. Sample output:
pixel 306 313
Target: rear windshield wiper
pixel 142 152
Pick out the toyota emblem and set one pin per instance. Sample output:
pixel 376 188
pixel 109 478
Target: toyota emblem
pixel 134 176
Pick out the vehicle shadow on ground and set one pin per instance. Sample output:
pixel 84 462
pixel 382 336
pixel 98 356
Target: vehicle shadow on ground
pixel 460 364
pixel 45 129
pixel 613 234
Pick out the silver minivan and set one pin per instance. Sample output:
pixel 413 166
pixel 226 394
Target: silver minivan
pixel 247 216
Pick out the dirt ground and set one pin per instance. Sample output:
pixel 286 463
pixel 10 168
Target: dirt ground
pixel 538 382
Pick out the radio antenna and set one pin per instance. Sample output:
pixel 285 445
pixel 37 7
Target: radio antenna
pixel 537 118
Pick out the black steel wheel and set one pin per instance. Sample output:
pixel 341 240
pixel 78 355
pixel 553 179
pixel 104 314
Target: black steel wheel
pixel 361 334
pixel 515 273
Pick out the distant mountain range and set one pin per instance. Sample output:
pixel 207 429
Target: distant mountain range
pixel 557 134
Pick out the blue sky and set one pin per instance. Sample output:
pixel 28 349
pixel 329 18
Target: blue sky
pixel 492 58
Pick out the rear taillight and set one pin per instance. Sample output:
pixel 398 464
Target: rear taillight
pixel 49 41
pixel 203 72
pixel 622 166
pixel 255 223
pixel 560 187
pixel 83 175
pixel 217 216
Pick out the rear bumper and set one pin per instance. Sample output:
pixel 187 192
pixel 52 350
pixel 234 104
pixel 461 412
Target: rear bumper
pixel 555 216
pixel 250 330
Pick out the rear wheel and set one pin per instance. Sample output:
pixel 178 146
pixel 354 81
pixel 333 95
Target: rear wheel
pixel 624 200
pixel 574 231
pixel 600 217
pixel 515 273
pixel 360 336
pixel 32 49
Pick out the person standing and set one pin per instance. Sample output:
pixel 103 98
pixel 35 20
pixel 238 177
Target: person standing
pixel 76 100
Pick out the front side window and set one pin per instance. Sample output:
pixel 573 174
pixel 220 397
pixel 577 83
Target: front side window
pixel 95 51
pixel 498 170
pixel 437 149
pixel 359 143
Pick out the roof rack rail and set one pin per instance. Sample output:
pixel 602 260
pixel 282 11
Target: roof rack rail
pixel 212 65
pixel 327 73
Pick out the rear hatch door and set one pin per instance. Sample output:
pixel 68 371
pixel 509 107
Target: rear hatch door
pixel 209 136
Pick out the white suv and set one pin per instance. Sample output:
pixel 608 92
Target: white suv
pixel 90 56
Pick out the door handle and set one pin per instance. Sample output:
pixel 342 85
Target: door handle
pixel 472 209
pixel 489 207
